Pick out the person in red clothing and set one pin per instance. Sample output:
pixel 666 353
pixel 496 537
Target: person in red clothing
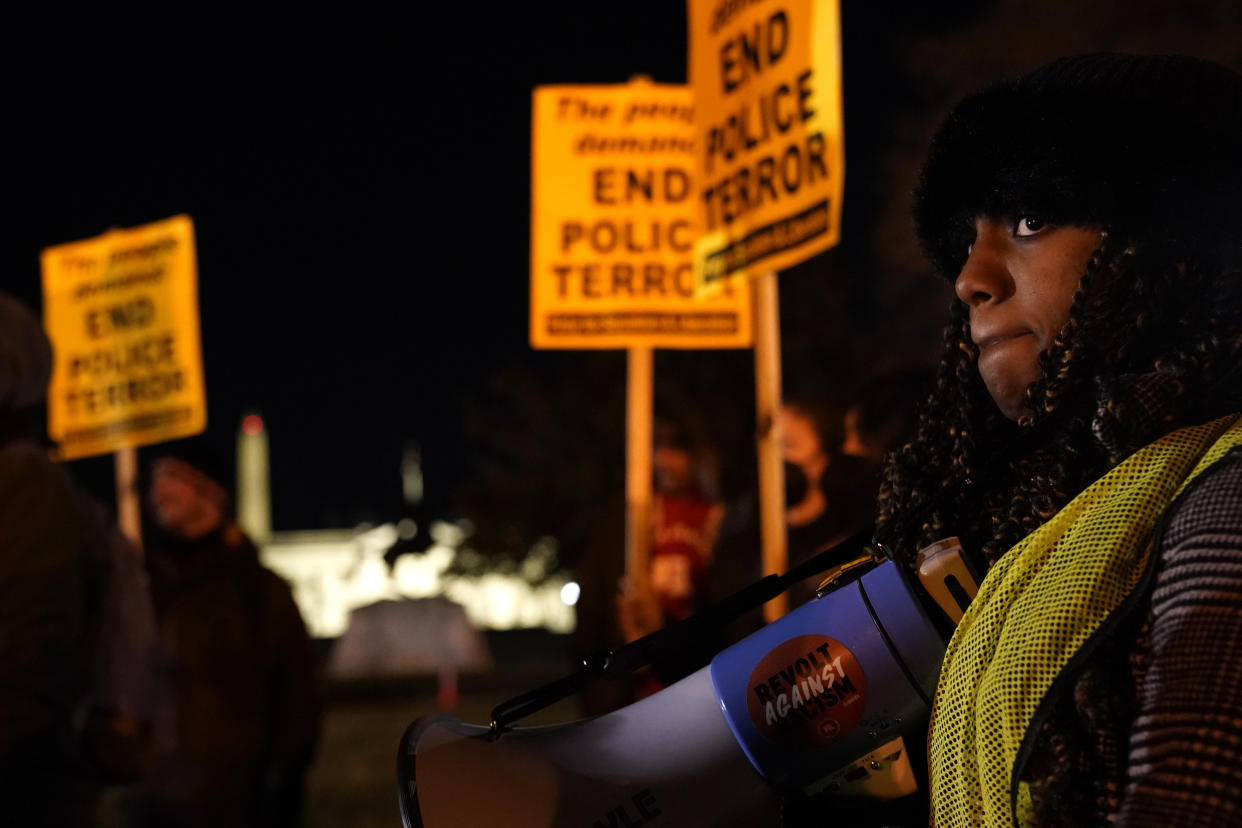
pixel 685 523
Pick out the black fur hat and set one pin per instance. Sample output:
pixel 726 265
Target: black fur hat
pixel 1147 147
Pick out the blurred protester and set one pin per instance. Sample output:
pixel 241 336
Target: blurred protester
pixel 76 633
pixel 685 522
pixel 234 745
pixel 884 415
pixel 829 495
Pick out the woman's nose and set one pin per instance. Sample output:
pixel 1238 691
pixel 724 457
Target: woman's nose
pixel 985 277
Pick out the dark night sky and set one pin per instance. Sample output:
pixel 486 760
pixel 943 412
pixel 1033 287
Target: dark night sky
pixel 359 186
pixel 359 181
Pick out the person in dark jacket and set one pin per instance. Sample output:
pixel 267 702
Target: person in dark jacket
pixel 76 632
pixel 44 595
pixel 233 746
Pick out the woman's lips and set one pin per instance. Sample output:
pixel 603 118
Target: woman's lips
pixel 990 340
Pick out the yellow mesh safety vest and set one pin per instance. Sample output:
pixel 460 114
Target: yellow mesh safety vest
pixel 1038 605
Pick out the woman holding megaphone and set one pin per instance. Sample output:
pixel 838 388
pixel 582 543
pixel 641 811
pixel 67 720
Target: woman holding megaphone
pixel 1083 442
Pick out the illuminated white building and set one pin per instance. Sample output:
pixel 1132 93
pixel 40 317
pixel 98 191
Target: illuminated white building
pixel 333 571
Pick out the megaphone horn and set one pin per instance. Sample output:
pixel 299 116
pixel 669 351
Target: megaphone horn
pixel 824 699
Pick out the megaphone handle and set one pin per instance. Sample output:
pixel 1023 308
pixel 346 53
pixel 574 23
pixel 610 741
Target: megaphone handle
pixel 946 576
pixel 518 707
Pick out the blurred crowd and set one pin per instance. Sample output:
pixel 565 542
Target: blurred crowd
pixel 703 549
pixel 170 683
pixel 168 679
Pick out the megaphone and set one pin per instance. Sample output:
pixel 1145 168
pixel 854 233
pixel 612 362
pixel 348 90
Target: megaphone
pixel 832 698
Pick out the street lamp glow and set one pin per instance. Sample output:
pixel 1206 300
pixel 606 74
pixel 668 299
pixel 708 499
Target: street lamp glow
pixel 570 593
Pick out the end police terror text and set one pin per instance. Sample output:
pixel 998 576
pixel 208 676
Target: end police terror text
pixel 126 362
pixel 752 126
pixel 624 239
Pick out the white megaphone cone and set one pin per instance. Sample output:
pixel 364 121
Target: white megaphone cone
pixel 669 759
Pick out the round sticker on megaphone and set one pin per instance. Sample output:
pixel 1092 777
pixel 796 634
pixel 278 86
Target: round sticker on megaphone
pixel 808 692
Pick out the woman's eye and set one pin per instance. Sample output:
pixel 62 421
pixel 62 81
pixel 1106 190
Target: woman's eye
pixel 1028 226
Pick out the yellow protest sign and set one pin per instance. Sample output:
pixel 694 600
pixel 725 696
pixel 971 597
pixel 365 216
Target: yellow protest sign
pixel 766 76
pixel 613 224
pixel 121 310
